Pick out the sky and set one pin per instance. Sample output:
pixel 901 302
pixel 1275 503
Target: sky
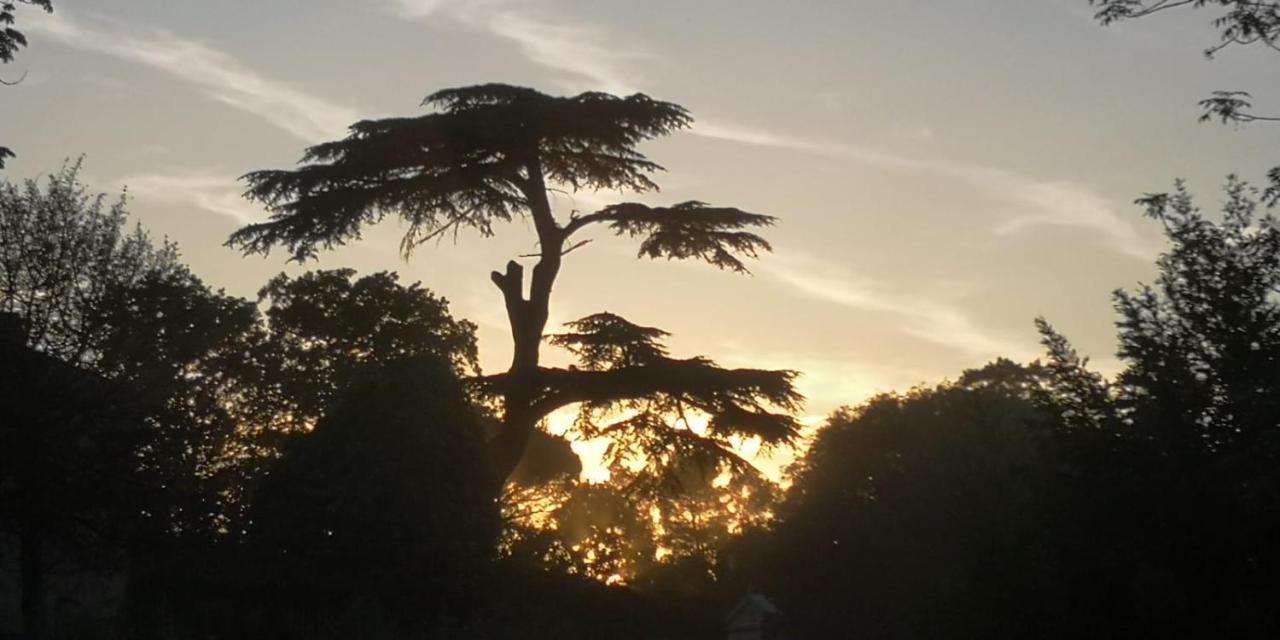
pixel 944 172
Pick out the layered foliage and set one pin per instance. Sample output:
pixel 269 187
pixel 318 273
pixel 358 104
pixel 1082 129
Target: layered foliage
pixel 623 368
pixel 326 325
pixel 489 153
pixel 678 488
pixel 63 253
pixel 478 159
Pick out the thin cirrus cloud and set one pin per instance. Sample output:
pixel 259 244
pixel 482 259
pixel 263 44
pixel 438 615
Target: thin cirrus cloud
pixel 590 56
pixel 215 73
pixel 1037 202
pixel 924 318
pixel 584 54
pixel 208 191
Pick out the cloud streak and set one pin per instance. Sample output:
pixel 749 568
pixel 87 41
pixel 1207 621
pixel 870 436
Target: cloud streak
pixel 922 318
pixel 585 55
pixel 1047 203
pixel 588 54
pixel 215 73
pixel 204 190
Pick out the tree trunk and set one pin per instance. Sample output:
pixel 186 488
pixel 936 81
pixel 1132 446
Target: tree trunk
pixel 528 320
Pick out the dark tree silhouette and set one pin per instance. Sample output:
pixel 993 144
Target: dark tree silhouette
pixel 326 325
pixel 1239 23
pixel 67 474
pixel 204 373
pixel 387 494
pixel 11 40
pixel 490 153
pixel 917 515
pixel 1185 441
pixel 108 300
pixel 63 255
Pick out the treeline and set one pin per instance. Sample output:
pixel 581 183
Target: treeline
pixel 1047 501
pixel 310 464
pixel 187 463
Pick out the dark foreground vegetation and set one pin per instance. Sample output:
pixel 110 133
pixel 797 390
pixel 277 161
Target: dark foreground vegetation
pixel 328 460
pixel 313 464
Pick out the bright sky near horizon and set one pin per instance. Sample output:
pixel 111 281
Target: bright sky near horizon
pixel 944 171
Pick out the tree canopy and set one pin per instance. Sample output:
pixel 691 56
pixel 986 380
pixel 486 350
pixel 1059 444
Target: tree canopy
pixel 326 325
pixel 387 493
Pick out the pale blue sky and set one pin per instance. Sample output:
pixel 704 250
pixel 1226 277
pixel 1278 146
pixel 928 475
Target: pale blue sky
pixel 944 171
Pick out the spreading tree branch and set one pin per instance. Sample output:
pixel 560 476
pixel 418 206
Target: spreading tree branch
pixel 689 230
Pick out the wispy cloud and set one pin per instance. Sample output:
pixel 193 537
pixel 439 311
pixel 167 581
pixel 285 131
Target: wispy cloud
pixel 1039 202
pixel 587 55
pixel 205 190
pixel 590 54
pixel 215 73
pixel 759 137
pixel 1064 204
pixel 921 317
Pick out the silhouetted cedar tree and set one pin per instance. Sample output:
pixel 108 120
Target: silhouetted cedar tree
pixel 488 154
pixel 386 496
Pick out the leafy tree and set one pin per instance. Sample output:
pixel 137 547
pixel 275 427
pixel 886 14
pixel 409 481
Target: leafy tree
pixel 67 481
pixel 11 40
pixel 386 495
pixel 63 255
pixel 325 326
pixel 916 515
pixel 1192 418
pixel 110 301
pixel 1239 23
pixel 490 153
pixel 657 527
pixel 204 372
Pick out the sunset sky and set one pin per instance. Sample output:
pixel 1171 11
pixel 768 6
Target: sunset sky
pixel 944 171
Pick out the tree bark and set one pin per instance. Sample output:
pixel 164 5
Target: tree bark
pixel 528 320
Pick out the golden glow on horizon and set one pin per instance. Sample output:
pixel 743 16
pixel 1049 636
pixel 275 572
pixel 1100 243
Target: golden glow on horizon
pixel 771 462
